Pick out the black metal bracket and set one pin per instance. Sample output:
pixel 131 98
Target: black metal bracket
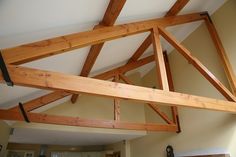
pixel 4 70
pixel 208 16
pixel 170 151
pixel 178 124
pixel 24 114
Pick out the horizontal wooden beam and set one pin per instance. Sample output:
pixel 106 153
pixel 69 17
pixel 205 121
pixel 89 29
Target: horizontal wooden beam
pixel 198 65
pixel 33 51
pixel 76 121
pixel 54 96
pixel 76 84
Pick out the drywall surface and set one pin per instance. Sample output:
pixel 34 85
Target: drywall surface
pixel 4 136
pixel 203 132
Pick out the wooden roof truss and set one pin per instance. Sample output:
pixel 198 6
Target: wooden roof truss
pixel 64 85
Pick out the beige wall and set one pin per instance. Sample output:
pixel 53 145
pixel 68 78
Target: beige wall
pixel 4 136
pixel 202 131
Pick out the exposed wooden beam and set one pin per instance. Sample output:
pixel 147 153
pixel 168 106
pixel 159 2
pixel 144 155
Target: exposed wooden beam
pixel 177 7
pixel 160 113
pixel 113 10
pixel 174 10
pixel 125 79
pixel 48 98
pixel 160 62
pixel 76 121
pixel 174 109
pixel 198 65
pixel 153 106
pixel 116 109
pixel 125 68
pixel 91 58
pixel 142 48
pixel 116 103
pixel 222 53
pixel 56 81
pixel 29 52
pixel 159 59
pixel 42 101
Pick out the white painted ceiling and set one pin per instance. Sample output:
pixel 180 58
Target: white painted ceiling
pixel 27 21
pixel 71 138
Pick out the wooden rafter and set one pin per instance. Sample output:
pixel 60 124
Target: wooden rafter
pixel 30 52
pixel 113 10
pixel 198 65
pixel 56 81
pixel 174 10
pixel 222 53
pixel 42 101
pixel 153 106
pixel 177 7
pixel 76 121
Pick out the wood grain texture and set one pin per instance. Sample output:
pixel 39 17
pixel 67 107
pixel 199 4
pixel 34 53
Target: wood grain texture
pixel 113 10
pixel 48 98
pixel 159 59
pixel 174 109
pixel 116 102
pixel 33 51
pixel 198 65
pixel 76 84
pixel 76 121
